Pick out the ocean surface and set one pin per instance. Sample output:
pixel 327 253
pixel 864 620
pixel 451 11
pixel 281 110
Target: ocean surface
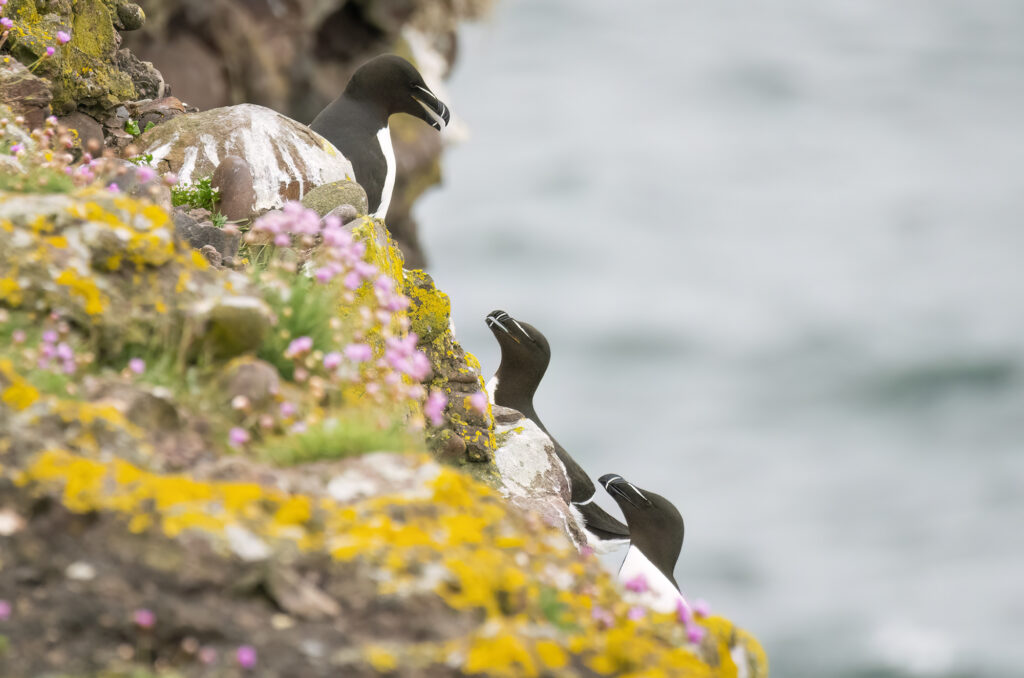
pixel 778 250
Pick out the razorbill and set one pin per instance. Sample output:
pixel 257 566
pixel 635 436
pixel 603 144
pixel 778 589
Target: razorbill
pixel 655 539
pixel 357 121
pixel 525 355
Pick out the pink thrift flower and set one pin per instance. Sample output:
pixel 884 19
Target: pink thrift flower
pixel 238 437
pixel 434 407
pixel 701 608
pixel 50 337
pixel 359 353
pixel 683 612
pixel 301 374
pixel 64 351
pixel 69 367
pixel 586 550
pixel 6 23
pixel 325 274
pixel 50 51
pixel 636 613
pixel 288 409
pixel 145 174
pixel 332 360
pixel 144 618
pixel 170 178
pixel 282 240
pixel 384 284
pixel 137 365
pixel 352 280
pixel 18 336
pixel 207 655
pixel 298 347
pixel 63 38
pixel 694 633
pixel 246 656
pixel 300 426
pixel 603 617
pixel 479 402
pixel 637 584
pixel 114 188
pixel 16 149
pixel 5 610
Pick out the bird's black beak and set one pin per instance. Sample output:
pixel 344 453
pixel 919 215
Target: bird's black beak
pixel 620 488
pixel 433 112
pixel 500 320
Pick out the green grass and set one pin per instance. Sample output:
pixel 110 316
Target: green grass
pixel 303 309
pixel 200 194
pixel 335 438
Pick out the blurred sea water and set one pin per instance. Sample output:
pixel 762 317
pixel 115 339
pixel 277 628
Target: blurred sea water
pixel 777 249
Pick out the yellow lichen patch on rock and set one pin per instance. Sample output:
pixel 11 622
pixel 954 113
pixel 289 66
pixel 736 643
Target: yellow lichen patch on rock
pixel 455 538
pixel 17 392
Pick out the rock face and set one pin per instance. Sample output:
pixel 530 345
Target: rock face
pixel 532 476
pixel 286 158
pixel 25 93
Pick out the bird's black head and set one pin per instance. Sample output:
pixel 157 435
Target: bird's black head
pixel 525 355
pixel 393 83
pixel 655 524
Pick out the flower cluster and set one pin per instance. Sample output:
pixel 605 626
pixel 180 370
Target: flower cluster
pixel 372 352
pixel 52 349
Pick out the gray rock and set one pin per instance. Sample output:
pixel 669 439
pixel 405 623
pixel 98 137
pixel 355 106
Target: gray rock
pixel 325 198
pixel 194 227
pixel 88 128
pixel 232 326
pixel 256 380
pixel 25 93
pixel 532 476
pixel 148 82
pixel 344 212
pixel 156 111
pixel 234 179
pixel 287 158
pixel 130 17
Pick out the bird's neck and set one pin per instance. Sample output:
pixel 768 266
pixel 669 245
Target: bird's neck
pixel 367 114
pixel 517 393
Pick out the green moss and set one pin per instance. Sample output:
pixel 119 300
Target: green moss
pixel 349 435
pixel 83 72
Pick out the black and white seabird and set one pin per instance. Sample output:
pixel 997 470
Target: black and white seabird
pixel 656 537
pixel 357 121
pixel 525 355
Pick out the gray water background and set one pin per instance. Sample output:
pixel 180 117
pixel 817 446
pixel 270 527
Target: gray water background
pixel 777 250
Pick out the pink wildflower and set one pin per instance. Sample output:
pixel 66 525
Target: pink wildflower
pixel 238 437
pixel 603 617
pixel 17 148
pixel 636 613
pixel 63 37
pixel 282 240
pixel 288 409
pixel 694 633
pixel 359 353
pixel 170 178
pixel 144 618
pixel 6 22
pixel 50 51
pixel 5 610
pixel 479 402
pixel 145 174
pixel 18 336
pixel 352 280
pixel 207 655
pixel 114 188
pixel 332 360
pixel 637 584
pixel 325 274
pixel 299 347
pixel 434 407
pixel 246 656
pixel 64 351
pixel 683 612
pixel 50 337
pixel 137 365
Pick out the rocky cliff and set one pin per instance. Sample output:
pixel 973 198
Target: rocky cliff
pixel 255 447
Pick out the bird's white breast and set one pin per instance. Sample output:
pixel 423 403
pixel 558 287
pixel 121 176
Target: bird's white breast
pixel 661 594
pixel 384 139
